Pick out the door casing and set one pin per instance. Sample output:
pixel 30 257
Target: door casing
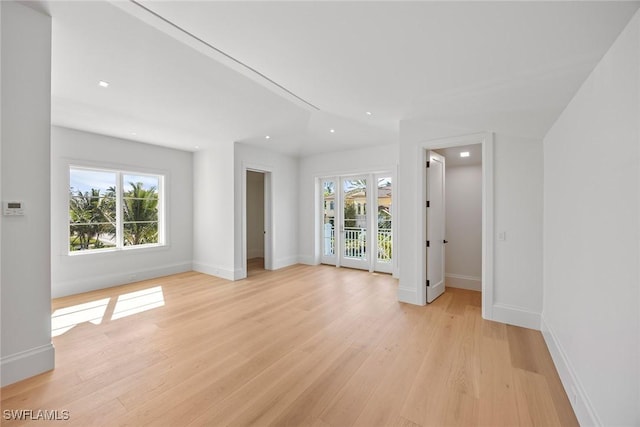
pixel 486 139
pixel 268 216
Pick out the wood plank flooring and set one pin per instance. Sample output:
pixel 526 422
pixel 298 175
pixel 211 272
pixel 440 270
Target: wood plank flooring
pixel 302 346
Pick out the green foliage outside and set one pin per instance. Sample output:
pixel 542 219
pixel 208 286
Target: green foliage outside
pixel 92 217
pixel 385 241
pixel 140 213
pixel 350 214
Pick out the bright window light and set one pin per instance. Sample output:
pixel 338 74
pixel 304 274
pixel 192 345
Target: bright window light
pixel 137 302
pixel 464 154
pixel 64 319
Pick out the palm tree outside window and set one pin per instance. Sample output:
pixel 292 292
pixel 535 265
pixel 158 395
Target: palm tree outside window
pixel 110 210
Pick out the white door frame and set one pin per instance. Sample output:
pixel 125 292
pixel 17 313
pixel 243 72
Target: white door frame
pixel 486 139
pixel 268 215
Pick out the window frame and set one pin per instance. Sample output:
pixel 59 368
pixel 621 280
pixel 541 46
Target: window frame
pixel 120 173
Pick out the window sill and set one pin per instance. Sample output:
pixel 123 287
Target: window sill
pixel 136 249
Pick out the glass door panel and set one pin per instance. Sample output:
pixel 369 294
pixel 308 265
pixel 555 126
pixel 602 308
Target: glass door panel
pixel 354 222
pixel 384 235
pixel 328 220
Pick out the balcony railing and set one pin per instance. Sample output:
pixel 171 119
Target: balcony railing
pixel 329 239
pixel 385 244
pixel 355 242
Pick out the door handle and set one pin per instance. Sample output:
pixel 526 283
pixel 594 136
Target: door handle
pixel 445 241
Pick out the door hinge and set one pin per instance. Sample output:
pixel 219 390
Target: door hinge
pixel 428 163
pixel 427 243
pixel 428 204
pixel 427 283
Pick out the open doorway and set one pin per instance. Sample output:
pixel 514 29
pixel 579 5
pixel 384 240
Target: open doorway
pixel 429 149
pixel 463 216
pixel 255 222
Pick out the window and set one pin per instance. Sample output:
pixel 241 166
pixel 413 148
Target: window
pixel 114 210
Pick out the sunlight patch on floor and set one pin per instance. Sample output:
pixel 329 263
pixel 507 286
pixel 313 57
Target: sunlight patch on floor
pixel 63 319
pixel 137 302
pixel 95 312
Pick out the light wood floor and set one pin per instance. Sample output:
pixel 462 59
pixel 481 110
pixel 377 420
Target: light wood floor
pixel 301 346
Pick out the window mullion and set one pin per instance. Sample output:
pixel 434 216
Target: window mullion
pixel 119 213
pixel 161 212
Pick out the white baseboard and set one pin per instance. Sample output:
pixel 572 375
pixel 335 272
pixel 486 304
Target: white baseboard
pixel 16 367
pixel 461 281
pixel 72 287
pixel 409 296
pixel 307 260
pixel 217 271
pixel 516 316
pixel 255 253
pixel 285 262
pixel 581 404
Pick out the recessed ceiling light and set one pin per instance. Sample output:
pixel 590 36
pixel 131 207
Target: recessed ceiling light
pixel 196 146
pixel 368 113
pixel 133 133
pixel 332 130
pixel 464 154
pixel 267 137
pixel 102 83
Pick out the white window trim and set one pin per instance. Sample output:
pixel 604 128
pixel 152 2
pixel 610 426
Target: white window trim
pixel 120 247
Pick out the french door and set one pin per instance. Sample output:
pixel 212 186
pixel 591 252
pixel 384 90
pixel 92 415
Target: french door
pixel 355 231
pixel 356 226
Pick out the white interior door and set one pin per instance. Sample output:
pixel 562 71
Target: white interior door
pixel 354 224
pixel 435 225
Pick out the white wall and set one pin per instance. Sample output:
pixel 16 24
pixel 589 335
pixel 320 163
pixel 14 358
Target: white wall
pixel 72 274
pixel 517 285
pixel 284 202
pixel 463 204
pixel 372 159
pixel 26 348
pixel 591 255
pixel 213 213
pixel 255 214
pixel 518 213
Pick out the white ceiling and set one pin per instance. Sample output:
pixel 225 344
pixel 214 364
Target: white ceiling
pixel 452 155
pixel 510 67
